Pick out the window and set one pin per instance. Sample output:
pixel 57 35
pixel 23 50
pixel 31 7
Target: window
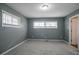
pixel 9 19
pixel 45 24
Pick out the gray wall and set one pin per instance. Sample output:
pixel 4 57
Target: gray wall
pixel 42 33
pixel 10 36
pixel 66 37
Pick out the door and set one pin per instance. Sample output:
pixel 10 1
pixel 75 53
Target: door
pixel 74 26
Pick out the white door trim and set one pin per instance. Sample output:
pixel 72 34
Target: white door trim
pixel 70 30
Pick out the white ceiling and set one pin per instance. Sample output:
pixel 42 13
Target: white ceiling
pixel 33 9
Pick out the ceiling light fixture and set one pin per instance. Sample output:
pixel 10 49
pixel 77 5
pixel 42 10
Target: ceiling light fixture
pixel 44 6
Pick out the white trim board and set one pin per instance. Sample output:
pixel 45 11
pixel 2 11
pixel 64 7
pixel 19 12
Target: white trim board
pixel 13 47
pixel 45 39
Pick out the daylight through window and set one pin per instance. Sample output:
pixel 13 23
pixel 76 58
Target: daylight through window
pixel 45 24
pixel 9 19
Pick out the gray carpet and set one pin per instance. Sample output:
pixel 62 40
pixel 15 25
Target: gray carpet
pixel 34 47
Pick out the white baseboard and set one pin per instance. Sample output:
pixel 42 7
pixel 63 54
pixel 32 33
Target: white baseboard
pixel 45 39
pixel 13 47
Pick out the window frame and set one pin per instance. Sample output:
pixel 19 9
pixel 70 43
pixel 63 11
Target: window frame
pixel 45 22
pixel 12 16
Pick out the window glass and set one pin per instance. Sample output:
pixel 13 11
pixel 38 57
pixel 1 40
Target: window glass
pixel 38 24
pixel 15 21
pixel 51 24
pixel 4 18
pixel 8 19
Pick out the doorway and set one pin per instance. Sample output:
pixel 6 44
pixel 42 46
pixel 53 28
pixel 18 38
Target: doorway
pixel 74 30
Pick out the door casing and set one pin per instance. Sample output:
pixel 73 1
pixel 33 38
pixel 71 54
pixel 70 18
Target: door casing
pixel 70 30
